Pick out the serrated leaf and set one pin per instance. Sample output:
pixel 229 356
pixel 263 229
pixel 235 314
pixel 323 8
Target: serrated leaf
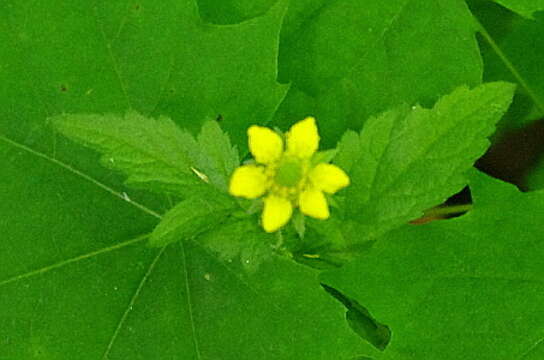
pixel 192 216
pixel 410 159
pixel 465 288
pixel 154 153
pixel 218 158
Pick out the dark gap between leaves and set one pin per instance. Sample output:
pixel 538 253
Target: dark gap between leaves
pixel 361 322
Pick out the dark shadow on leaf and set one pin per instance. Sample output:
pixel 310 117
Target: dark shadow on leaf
pixel 360 321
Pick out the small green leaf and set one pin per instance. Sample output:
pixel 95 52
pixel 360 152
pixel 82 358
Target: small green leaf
pixel 410 159
pixel 218 158
pixel 324 156
pixel 466 288
pixel 349 150
pixel 192 216
pixel 155 154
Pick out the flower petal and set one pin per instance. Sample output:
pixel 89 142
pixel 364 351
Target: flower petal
pixel 277 212
pixel 329 178
pixel 313 203
pixel 265 144
pixel 303 138
pixel 248 181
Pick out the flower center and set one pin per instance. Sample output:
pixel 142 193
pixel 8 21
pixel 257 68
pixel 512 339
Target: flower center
pixel 289 173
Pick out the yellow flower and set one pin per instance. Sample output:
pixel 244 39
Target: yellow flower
pixel 287 178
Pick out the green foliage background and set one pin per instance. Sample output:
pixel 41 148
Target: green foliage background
pixel 408 91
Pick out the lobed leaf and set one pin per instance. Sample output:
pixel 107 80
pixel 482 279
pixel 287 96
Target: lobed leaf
pixel 218 158
pixel 410 159
pixel 154 154
pixel 465 288
pixel 348 60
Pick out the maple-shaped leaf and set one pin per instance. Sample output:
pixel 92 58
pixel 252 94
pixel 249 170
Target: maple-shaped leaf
pixel 77 280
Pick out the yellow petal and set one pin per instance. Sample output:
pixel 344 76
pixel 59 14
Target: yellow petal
pixel 248 181
pixel 313 203
pixel 265 145
pixel 277 212
pixel 329 178
pixel 303 138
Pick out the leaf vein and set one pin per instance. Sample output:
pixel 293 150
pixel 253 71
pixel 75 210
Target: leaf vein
pixel 73 260
pixel 189 301
pixel 80 174
pixel 131 303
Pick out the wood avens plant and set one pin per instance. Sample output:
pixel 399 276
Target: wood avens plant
pixel 207 233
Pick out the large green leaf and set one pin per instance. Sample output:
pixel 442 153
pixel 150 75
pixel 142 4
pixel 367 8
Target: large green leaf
pixel 76 279
pixel 355 59
pixel 351 59
pixel 108 57
pixel 410 159
pixel 466 288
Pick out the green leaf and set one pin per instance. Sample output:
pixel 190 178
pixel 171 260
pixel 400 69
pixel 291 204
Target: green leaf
pixel 410 159
pixel 218 158
pixel 154 154
pixel 139 56
pixel 193 216
pixel 226 71
pixel 465 288
pixel 76 280
pixel 72 256
pixel 263 305
pixel 515 56
pixel 233 11
pixel 348 60
pixel 525 8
